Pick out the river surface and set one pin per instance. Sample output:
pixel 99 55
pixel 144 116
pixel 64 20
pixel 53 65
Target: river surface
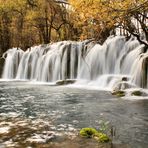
pixel 65 110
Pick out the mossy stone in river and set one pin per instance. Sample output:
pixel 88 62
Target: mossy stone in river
pixel 93 133
pixel 101 137
pixel 119 93
pixel 88 132
pixel 137 93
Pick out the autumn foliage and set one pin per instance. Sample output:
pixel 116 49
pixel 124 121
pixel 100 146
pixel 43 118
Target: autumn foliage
pixel 98 18
pixel 24 23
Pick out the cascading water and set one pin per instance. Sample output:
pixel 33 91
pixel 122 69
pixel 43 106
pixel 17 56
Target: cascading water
pixel 101 65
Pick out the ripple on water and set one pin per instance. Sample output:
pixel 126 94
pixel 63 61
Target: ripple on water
pixel 2 98
pixel 4 129
pixel 20 132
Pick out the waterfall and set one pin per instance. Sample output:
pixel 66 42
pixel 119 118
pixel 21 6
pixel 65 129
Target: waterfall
pixel 101 65
pixel 12 61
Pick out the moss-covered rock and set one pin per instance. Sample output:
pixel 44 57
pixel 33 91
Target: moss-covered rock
pixel 93 133
pixel 101 137
pixel 137 93
pixel 88 132
pixel 119 93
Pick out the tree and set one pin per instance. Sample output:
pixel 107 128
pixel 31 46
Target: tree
pixel 92 16
pixel 97 18
pixel 24 23
pixel 47 16
pixel 5 21
pixel 135 20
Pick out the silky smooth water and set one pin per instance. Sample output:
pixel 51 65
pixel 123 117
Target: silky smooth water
pixel 105 64
pixel 70 109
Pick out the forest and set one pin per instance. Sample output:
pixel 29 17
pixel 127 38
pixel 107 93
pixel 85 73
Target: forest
pixel 24 23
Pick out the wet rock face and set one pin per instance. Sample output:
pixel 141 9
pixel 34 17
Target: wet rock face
pixel 124 79
pixel 65 82
pixel 16 132
pixel 2 61
pixel 145 73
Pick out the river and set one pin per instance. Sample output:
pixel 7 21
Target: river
pixel 56 111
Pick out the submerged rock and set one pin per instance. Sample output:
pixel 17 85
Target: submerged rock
pixel 65 82
pixel 101 137
pixel 41 138
pixel 4 129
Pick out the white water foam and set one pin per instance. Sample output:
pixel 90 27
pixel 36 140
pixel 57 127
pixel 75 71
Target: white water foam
pixel 101 66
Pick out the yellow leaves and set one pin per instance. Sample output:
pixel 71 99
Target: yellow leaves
pixel 93 14
pixel 31 15
pixel 10 5
pixel 99 14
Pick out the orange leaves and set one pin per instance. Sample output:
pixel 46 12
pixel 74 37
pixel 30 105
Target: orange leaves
pixel 92 14
pixel 96 15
